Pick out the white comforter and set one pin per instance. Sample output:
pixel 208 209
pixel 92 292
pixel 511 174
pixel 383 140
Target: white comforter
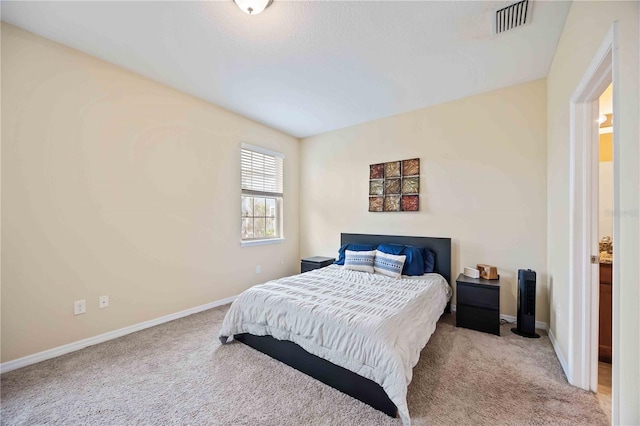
pixel 370 324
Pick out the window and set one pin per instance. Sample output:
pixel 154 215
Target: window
pixel 262 195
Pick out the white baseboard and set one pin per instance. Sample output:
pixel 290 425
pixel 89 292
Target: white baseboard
pixel 540 325
pixel 559 355
pixel 90 341
pixel 511 319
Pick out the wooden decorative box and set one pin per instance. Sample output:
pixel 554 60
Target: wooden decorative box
pixel 488 272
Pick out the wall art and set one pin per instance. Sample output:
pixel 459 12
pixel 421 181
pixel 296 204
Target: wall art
pixel 395 186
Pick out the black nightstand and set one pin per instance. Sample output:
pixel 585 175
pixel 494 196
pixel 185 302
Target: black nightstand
pixel 315 262
pixel 478 304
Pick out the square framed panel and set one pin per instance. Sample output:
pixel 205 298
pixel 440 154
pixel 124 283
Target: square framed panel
pixel 410 203
pixel 376 171
pixel 376 204
pixel 392 186
pixel 411 167
pixel 411 185
pixel 376 187
pixel 392 203
pixel 392 169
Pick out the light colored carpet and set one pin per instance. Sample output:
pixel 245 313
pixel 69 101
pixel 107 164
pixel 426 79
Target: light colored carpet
pixel 178 373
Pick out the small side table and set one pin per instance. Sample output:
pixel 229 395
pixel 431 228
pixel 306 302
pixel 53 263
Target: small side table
pixel 478 304
pixel 315 262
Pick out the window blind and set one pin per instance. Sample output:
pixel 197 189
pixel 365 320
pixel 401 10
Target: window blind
pixel 262 173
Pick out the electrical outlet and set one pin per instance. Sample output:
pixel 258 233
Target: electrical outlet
pixel 103 302
pixel 79 307
pixel 258 269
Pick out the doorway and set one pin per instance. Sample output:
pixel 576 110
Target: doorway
pixel 605 247
pixel 584 269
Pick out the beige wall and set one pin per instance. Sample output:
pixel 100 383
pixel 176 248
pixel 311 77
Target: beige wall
pixel 605 199
pixel 585 30
pixel 605 182
pixel 115 185
pixel 606 147
pixel 483 182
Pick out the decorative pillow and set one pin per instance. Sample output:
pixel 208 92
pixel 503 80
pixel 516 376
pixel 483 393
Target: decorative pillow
pixel 413 264
pixel 352 247
pixel 359 260
pixel 396 249
pixel 429 260
pixel 388 264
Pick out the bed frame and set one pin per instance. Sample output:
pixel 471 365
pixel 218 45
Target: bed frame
pixel 346 381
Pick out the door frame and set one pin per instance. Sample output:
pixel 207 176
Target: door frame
pixel 583 187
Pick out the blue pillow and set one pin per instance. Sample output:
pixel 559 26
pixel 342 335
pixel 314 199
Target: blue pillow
pixel 414 265
pixel 351 247
pixel 395 249
pixel 429 260
pixel 414 262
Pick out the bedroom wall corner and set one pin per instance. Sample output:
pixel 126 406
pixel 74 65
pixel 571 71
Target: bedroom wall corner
pixel 483 183
pixel 113 184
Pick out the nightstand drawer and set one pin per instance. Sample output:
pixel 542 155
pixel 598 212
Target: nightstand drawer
pixel 308 266
pixel 480 319
pixel 315 262
pixel 474 295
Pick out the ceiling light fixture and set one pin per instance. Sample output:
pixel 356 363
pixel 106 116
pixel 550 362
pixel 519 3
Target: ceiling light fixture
pixel 253 7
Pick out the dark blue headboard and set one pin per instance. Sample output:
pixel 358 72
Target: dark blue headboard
pixel 441 246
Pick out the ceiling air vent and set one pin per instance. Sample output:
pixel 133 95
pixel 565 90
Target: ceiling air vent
pixel 512 16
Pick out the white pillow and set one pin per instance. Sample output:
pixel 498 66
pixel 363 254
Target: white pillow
pixel 359 260
pixel 389 264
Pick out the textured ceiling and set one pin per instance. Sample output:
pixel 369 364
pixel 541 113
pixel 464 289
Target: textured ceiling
pixel 308 67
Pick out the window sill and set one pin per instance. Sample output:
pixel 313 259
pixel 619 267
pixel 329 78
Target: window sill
pixel 266 241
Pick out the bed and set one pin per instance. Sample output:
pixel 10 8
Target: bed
pixel 291 327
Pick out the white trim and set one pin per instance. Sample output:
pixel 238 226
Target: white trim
pixel 540 325
pixel 595 79
pixel 559 354
pixel 264 242
pixel 581 368
pixel 615 279
pixel 262 150
pixel 81 344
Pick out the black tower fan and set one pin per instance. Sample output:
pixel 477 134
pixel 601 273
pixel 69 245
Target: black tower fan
pixel 526 325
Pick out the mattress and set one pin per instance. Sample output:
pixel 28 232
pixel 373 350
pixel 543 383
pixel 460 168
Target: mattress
pixel 370 324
